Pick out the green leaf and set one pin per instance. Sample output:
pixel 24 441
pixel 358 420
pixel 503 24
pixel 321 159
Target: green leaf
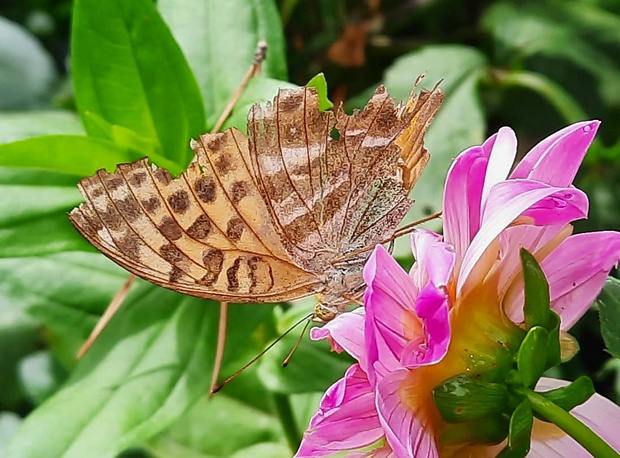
pixel 40 376
pixel 239 426
pixel 609 313
pixel 557 96
pixel 520 432
pixel 318 82
pixel 464 398
pixel 19 336
pixel 73 154
pixel 459 68
pixel 301 375
pixel 148 367
pixel 9 423
pixel 537 299
pixel 570 396
pixel 16 126
pixel 71 291
pixel 33 213
pixel 529 30
pixel 532 356
pixel 268 450
pixel 219 39
pixel 28 71
pixel 128 70
pixel 130 140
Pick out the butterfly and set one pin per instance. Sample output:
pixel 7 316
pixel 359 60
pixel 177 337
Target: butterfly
pixel 291 209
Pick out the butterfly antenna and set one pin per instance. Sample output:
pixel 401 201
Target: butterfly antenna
pixel 259 56
pixel 222 327
pixel 296 346
pixel 221 385
pixel 408 228
pixel 110 311
pixel 399 233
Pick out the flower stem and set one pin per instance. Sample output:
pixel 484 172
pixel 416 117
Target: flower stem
pixel 569 424
pixel 282 405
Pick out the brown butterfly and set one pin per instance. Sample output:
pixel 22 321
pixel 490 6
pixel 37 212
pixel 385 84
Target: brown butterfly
pixel 292 209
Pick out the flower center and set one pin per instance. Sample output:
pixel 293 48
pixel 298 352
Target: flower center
pixel 483 342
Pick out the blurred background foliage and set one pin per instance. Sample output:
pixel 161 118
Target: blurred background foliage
pixel 533 65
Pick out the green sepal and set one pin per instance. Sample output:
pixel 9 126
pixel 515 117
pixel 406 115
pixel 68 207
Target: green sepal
pixel 320 84
pixel 488 430
pixel 570 396
pixel 464 398
pixel 554 351
pixel 537 300
pixel 520 432
pixel 532 356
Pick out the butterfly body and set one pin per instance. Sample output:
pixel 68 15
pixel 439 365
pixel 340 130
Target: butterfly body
pixel 283 213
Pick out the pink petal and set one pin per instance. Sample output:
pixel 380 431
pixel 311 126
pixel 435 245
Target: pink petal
pixel 389 299
pixel 599 413
pixel 513 198
pixel 346 418
pixel 556 159
pixel 576 271
pixel 463 195
pixel 533 239
pixel 345 332
pixel 500 161
pixel 434 259
pixel 407 434
pixel 432 308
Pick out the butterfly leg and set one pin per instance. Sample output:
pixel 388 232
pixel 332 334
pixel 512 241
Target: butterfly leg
pixel 113 307
pixel 221 346
pixel 259 56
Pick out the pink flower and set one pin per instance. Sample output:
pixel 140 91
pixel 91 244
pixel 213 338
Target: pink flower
pixel 448 314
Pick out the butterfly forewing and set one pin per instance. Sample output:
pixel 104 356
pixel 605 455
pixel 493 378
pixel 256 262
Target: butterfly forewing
pixel 204 233
pixel 265 218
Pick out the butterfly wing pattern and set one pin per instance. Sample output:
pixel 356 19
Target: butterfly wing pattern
pixel 272 216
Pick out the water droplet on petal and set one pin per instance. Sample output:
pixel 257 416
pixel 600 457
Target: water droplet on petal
pixel 587 128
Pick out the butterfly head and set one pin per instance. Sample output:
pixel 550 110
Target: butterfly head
pixel 324 313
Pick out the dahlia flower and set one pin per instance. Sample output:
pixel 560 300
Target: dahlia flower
pixel 460 307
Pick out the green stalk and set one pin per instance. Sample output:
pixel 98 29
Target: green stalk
pixel 566 106
pixel 282 405
pixel 569 424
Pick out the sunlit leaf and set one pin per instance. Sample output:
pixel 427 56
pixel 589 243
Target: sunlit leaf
pixel 151 363
pixel 128 69
pixel 221 49
pixel 20 125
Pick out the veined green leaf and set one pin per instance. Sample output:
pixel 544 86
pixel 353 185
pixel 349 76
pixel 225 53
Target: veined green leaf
pixel 151 363
pixel 72 154
pixel 20 125
pixel 219 38
pixel 128 69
